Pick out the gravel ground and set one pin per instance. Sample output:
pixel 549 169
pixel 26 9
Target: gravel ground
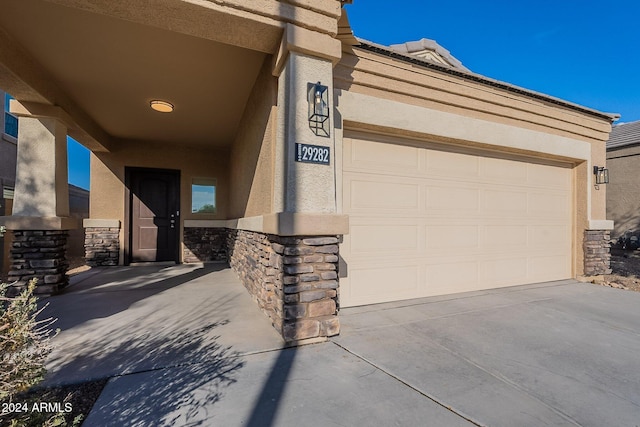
pixel 625 274
pixel 74 400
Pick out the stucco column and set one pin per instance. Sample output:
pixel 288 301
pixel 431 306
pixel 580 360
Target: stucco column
pixel 40 216
pixel 41 175
pixel 303 187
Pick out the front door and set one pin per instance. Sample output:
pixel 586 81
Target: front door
pixel 153 212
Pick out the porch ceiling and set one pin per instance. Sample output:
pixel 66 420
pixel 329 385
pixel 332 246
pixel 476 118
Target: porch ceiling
pixel 111 68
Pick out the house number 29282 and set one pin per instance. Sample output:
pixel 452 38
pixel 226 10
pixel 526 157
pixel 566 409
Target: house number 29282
pixel 308 153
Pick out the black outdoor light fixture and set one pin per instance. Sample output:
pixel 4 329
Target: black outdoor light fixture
pixel 318 97
pixel 602 175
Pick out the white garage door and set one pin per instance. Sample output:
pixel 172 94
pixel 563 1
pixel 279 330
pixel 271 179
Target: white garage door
pixel 425 222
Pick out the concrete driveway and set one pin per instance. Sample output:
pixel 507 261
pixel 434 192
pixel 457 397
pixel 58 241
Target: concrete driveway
pixel 562 353
pixel 187 346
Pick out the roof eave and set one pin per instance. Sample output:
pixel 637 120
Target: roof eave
pixel 383 50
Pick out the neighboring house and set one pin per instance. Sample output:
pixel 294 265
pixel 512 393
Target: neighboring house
pixel 329 171
pixel 8 151
pixel 8 156
pixel 78 197
pixel 623 202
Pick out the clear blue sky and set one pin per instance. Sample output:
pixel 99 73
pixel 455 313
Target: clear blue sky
pixel 586 52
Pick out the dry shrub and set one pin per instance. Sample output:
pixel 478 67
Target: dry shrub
pixel 24 341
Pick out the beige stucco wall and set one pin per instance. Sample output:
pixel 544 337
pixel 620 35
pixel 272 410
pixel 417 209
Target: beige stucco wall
pixel 108 178
pixel 303 187
pixel 599 194
pixel 8 156
pixel 623 203
pixel 251 161
pixel 373 74
pixel 41 175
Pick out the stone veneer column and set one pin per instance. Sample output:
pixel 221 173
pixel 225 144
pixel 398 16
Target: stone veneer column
pixel 40 215
pixel 40 254
pixel 101 242
pixel 293 279
pixel 597 252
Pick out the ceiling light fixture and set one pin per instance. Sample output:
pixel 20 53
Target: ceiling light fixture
pixel 161 106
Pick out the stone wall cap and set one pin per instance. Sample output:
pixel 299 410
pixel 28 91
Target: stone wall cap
pixel 294 224
pixel 600 224
pixel 101 223
pixel 205 223
pixel 39 223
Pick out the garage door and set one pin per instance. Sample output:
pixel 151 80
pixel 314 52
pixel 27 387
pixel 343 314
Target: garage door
pixel 427 222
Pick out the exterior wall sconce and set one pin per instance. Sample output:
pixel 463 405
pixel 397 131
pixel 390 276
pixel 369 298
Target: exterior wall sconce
pixel 318 98
pixel 602 175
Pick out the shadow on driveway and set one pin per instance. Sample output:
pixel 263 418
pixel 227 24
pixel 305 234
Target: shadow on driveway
pixel 131 284
pixel 124 320
pixel 175 393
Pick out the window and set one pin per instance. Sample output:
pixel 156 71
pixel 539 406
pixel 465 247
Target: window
pixel 7 192
pixel 10 121
pixel 203 196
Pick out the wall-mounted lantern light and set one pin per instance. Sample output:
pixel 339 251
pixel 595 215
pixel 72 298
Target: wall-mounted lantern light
pixel 602 175
pixel 318 98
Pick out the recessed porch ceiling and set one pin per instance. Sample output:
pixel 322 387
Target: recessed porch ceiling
pixel 112 68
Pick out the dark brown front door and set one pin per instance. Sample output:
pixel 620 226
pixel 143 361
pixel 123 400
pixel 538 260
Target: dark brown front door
pixel 154 203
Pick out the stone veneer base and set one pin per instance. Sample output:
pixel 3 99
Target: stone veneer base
pixel 40 254
pixel 204 244
pixel 293 279
pixel 597 252
pixel 102 246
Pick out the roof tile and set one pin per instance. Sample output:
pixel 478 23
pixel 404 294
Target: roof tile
pixel 624 134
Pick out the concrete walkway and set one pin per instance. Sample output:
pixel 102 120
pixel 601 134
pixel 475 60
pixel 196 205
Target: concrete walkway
pixel 116 321
pixel 185 345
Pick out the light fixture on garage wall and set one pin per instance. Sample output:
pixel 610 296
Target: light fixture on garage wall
pixel 318 98
pixel 161 106
pixel 602 175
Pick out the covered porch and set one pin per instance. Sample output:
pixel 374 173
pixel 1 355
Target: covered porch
pixel 199 181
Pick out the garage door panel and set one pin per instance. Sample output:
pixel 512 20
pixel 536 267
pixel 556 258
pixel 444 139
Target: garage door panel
pixel 452 165
pixel 506 237
pixel 551 177
pixel 448 222
pixel 555 236
pixel 549 266
pixel 549 205
pixel 382 238
pixel 384 282
pixel 502 170
pixel 454 200
pixel 450 277
pixel 502 271
pixel 505 201
pixel 456 237
pixel 365 194
pixel 378 156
